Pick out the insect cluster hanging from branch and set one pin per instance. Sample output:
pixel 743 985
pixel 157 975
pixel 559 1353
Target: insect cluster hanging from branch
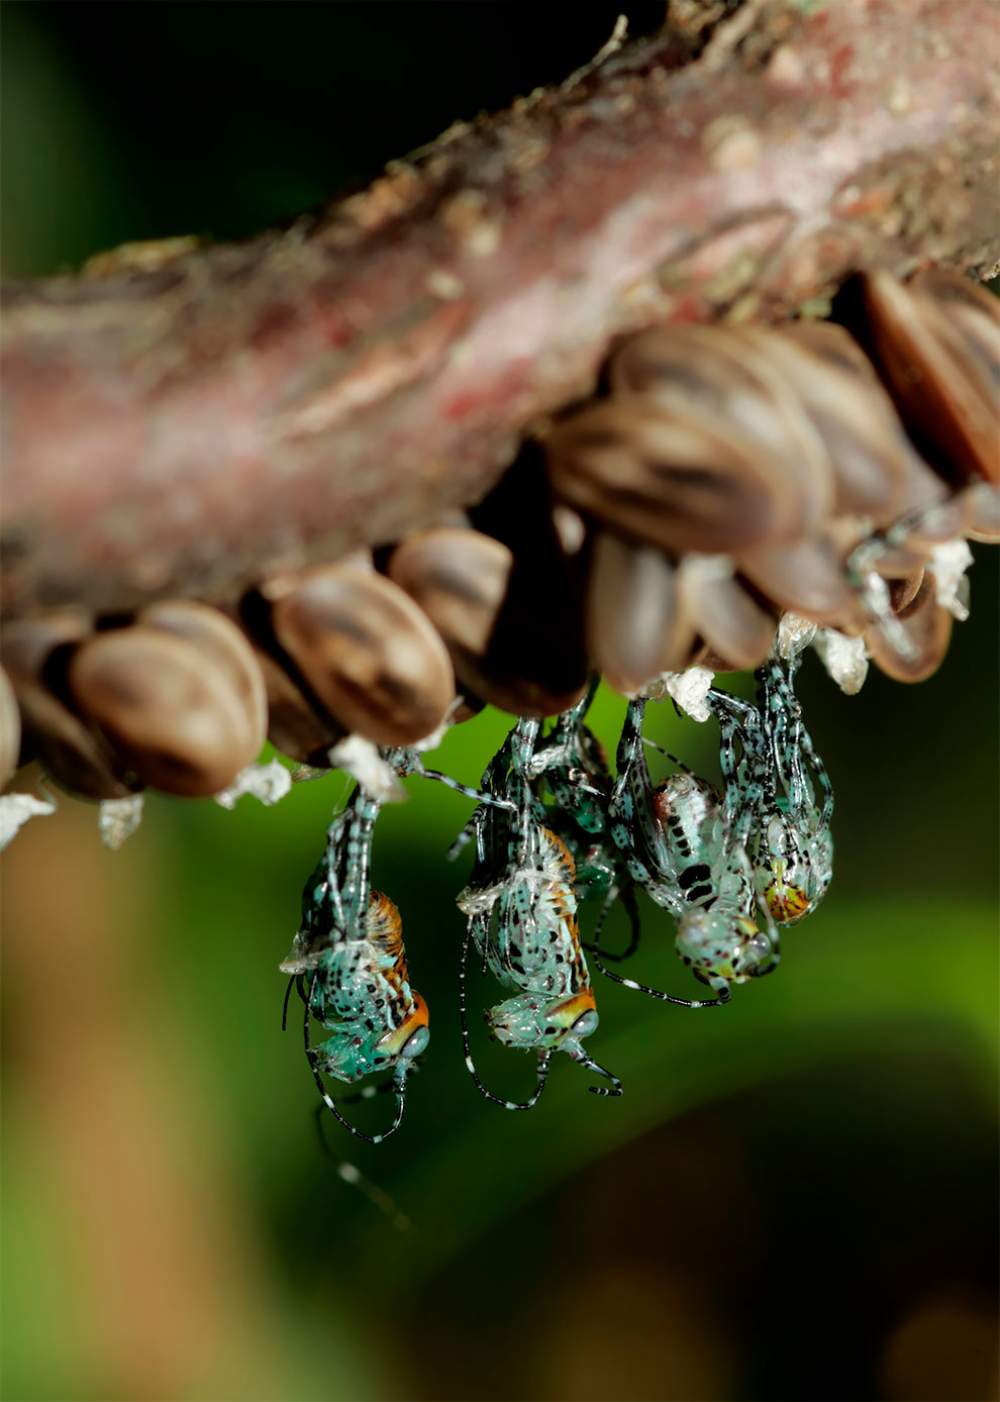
pixel 733 494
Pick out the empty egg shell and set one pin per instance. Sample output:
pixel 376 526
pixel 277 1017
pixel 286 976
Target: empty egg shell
pixel 904 590
pixel 928 629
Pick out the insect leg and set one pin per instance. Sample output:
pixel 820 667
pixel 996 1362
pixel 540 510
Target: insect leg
pixel 631 905
pixel 657 993
pixel 544 1058
pixel 328 1100
pixel 615 1088
pixel 489 799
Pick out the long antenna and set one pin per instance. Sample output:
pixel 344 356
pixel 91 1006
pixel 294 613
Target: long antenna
pixel 399 1089
pixel 544 1058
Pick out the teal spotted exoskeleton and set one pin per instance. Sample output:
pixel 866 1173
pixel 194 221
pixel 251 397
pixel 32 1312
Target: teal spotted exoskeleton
pixel 521 907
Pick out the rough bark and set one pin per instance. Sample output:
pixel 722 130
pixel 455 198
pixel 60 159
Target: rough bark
pixel 187 424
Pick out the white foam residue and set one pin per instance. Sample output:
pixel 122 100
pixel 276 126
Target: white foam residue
pixel 16 809
pixel 846 659
pixel 949 562
pixel 360 758
pixel 794 635
pixel 689 689
pixel 266 782
pixel 118 818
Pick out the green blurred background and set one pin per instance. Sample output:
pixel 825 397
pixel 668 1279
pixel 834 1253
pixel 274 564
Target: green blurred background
pixel 795 1199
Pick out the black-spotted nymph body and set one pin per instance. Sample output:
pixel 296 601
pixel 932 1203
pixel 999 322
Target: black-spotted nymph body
pixel 521 907
pixel 351 966
pixel 687 847
pixel 791 841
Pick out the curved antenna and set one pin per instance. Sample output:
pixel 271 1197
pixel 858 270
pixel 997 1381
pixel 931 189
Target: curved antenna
pixel 632 907
pixel 657 993
pixel 615 1088
pixel 295 978
pixel 398 1083
pixel 544 1058
pixel 667 754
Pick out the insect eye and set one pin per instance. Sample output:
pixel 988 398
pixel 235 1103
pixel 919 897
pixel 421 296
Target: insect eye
pixel 416 1043
pixel 586 1023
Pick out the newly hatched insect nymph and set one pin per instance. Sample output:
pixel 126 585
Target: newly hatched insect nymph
pixel 687 848
pixel 718 938
pixel 572 785
pixel 349 960
pixel 521 909
pixel 791 844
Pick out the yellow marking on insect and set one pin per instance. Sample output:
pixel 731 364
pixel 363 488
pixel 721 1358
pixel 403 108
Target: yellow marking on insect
pixel 786 903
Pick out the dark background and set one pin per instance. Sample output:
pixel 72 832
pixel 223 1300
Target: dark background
pixel 795 1199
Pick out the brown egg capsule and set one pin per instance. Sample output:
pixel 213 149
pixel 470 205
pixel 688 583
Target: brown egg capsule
pixel 222 643
pixel 171 711
pixel 677 482
pixel 635 625
pixel 928 629
pixel 869 454
pixel 705 657
pixel 904 590
pixel 806 576
pixel 370 655
pixel 718 374
pixel 78 759
pixel 295 726
pixel 504 649
pixel 941 374
pixel 981 513
pixel 10 729
pixel 732 623
pixel 974 316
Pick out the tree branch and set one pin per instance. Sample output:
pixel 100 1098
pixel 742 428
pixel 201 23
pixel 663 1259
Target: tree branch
pixel 189 425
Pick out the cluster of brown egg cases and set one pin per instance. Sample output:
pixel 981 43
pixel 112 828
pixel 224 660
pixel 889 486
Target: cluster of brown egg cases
pixel 722 480
pixel 729 472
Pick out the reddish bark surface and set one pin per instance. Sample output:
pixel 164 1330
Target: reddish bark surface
pixel 237 409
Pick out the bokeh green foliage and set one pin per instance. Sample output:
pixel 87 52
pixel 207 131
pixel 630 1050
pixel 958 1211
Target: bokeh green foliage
pixel 783 1180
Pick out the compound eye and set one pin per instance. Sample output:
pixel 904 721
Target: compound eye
pixel 416 1043
pixel 585 1024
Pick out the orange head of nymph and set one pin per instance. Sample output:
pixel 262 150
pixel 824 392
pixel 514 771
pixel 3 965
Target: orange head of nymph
pixel 409 1039
pixel 531 1022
